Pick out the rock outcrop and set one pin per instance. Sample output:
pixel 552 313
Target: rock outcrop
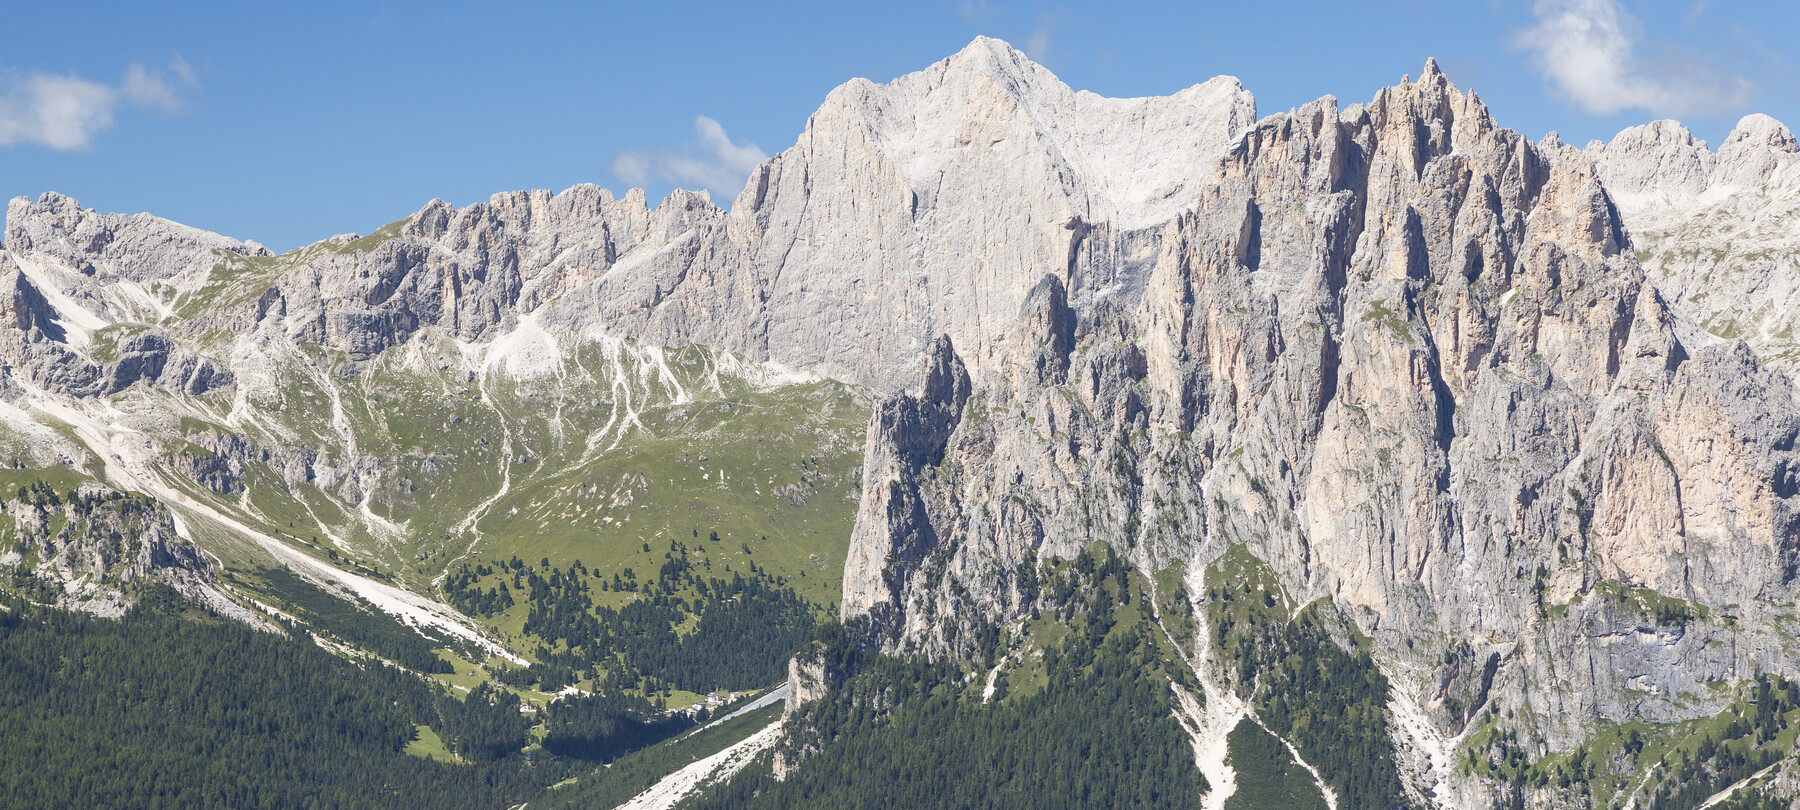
pixel 1715 231
pixel 908 434
pixel 84 546
pixel 1408 358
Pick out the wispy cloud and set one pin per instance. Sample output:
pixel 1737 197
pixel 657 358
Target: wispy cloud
pixel 152 89
pixel 976 11
pixel 66 112
pixel 1037 46
pixel 1586 48
pixel 711 161
pixel 60 112
pixel 1694 11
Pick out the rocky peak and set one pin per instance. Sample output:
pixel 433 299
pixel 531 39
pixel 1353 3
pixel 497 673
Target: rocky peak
pixel 1661 157
pixel 1047 333
pixel 1752 151
pixel 135 247
pixel 1759 130
pixel 431 221
pixel 938 403
pixel 964 184
pixel 1661 163
pixel 1715 229
pixel 998 61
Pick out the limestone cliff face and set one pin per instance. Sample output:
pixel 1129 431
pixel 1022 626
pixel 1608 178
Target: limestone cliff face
pixel 931 205
pixel 1407 357
pixel 934 204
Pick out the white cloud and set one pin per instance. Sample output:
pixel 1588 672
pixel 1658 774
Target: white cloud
pixel 146 90
pixel 60 112
pixel 1698 8
pixel 1585 48
pixel 186 72
pixel 66 112
pixel 710 161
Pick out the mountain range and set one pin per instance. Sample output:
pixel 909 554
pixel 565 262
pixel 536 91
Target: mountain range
pixel 1376 410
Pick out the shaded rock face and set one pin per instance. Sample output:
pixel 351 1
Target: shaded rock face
pixel 149 358
pixel 908 438
pixel 22 306
pixel 1408 358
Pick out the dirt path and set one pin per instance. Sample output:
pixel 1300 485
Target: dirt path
pixel 1735 787
pixel 778 693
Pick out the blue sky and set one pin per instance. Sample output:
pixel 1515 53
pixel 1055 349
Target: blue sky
pixel 291 122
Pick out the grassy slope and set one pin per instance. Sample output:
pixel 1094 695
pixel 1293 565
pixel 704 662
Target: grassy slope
pixel 567 447
pixel 599 449
pixel 657 489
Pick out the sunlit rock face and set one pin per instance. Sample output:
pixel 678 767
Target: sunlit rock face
pixel 1412 360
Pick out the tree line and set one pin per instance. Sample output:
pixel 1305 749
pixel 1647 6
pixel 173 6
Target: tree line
pixel 908 731
pixel 745 630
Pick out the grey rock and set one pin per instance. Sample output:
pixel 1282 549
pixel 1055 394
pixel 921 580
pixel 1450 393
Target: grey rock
pixel 1406 357
pixel 108 535
pixel 1715 232
pixel 929 205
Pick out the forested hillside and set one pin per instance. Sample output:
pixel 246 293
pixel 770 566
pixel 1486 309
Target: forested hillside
pixel 1081 716
pixel 161 709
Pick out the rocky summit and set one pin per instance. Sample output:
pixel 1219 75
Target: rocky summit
pixel 1375 410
